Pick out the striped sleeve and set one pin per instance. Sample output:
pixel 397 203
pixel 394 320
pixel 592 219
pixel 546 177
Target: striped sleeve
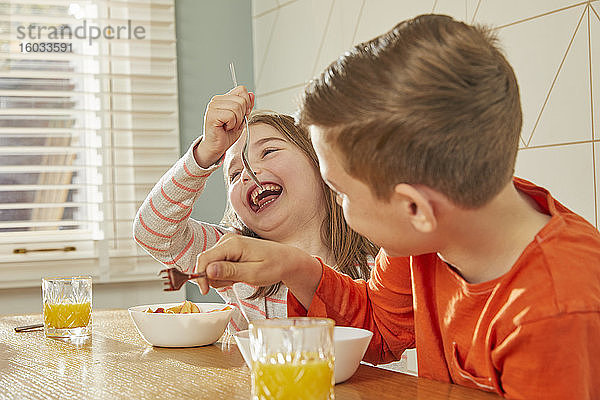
pixel 163 226
pixel 248 310
pixel 239 319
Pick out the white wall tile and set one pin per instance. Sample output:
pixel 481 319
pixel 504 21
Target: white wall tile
pixel 285 101
pixel 461 10
pixel 379 16
pixel 263 31
pixel 567 115
pixel 293 50
pixel 566 171
pixel 340 32
pixel 502 12
pixel 535 50
pixel 262 6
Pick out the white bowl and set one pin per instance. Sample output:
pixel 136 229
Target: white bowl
pixel 350 345
pixel 181 330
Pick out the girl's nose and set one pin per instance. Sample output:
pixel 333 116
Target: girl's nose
pixel 246 176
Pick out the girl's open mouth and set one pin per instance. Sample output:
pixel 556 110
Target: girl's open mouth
pixel 259 198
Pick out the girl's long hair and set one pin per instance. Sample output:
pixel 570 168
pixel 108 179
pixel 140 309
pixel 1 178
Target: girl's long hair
pixel 348 247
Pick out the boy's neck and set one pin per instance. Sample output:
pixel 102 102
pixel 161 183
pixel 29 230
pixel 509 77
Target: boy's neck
pixel 487 242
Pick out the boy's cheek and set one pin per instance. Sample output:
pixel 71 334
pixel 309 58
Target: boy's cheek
pixel 350 218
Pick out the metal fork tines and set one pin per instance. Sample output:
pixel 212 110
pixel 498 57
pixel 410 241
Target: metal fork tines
pixel 245 148
pixel 174 278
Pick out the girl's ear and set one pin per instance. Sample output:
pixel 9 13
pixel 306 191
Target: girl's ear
pixel 416 206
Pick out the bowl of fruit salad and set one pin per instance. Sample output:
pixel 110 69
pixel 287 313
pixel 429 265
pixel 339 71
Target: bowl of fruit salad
pixel 184 324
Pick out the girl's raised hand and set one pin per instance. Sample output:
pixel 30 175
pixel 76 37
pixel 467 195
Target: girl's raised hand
pixel 223 124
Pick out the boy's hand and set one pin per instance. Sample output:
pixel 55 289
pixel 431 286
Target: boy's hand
pixel 237 258
pixel 223 124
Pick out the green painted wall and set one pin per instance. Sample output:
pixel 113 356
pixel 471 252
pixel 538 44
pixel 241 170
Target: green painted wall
pixel 210 34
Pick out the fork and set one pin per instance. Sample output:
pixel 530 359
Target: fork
pixel 28 328
pixel 245 149
pixel 174 278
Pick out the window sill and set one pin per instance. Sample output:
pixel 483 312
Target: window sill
pixel 120 270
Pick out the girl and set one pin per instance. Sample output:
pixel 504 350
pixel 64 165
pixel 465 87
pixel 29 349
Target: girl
pixel 294 206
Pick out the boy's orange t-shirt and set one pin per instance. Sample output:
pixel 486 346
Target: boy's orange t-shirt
pixel 531 333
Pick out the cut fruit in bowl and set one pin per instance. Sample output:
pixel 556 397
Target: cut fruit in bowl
pixel 187 329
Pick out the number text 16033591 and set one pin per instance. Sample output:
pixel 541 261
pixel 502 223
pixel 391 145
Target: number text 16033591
pixel 46 47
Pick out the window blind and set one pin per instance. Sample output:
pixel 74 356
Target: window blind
pixel 84 133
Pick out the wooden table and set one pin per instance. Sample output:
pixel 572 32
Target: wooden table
pixel 117 363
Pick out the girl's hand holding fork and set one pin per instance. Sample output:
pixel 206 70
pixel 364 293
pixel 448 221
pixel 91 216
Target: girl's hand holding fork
pixel 223 124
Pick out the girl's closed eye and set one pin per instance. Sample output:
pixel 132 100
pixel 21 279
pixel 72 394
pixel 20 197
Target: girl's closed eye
pixel 233 176
pixel 268 151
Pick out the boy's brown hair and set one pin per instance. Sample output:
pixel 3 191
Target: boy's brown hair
pixel 350 249
pixel 432 102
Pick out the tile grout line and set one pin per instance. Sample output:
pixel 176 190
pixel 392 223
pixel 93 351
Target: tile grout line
pixel 476 10
pixel 287 3
pixel 594 10
pixel 279 6
pixel 434 6
pixel 264 60
pixel 589 32
pixel 537 121
pixel 362 6
pixel 545 146
pixel 323 38
pixel 541 15
pixel 522 141
pixel 262 14
pixel 281 89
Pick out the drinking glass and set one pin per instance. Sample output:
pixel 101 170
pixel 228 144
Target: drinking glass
pixel 67 306
pixel 292 358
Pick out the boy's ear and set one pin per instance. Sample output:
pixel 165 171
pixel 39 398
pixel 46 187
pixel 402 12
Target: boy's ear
pixel 417 207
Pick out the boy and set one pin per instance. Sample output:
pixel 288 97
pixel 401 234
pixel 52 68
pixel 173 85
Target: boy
pixel 495 282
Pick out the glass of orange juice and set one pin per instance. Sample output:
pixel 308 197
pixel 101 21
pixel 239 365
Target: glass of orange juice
pixel 292 358
pixel 67 306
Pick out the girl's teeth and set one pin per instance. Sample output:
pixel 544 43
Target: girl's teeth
pixel 270 201
pixel 258 191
